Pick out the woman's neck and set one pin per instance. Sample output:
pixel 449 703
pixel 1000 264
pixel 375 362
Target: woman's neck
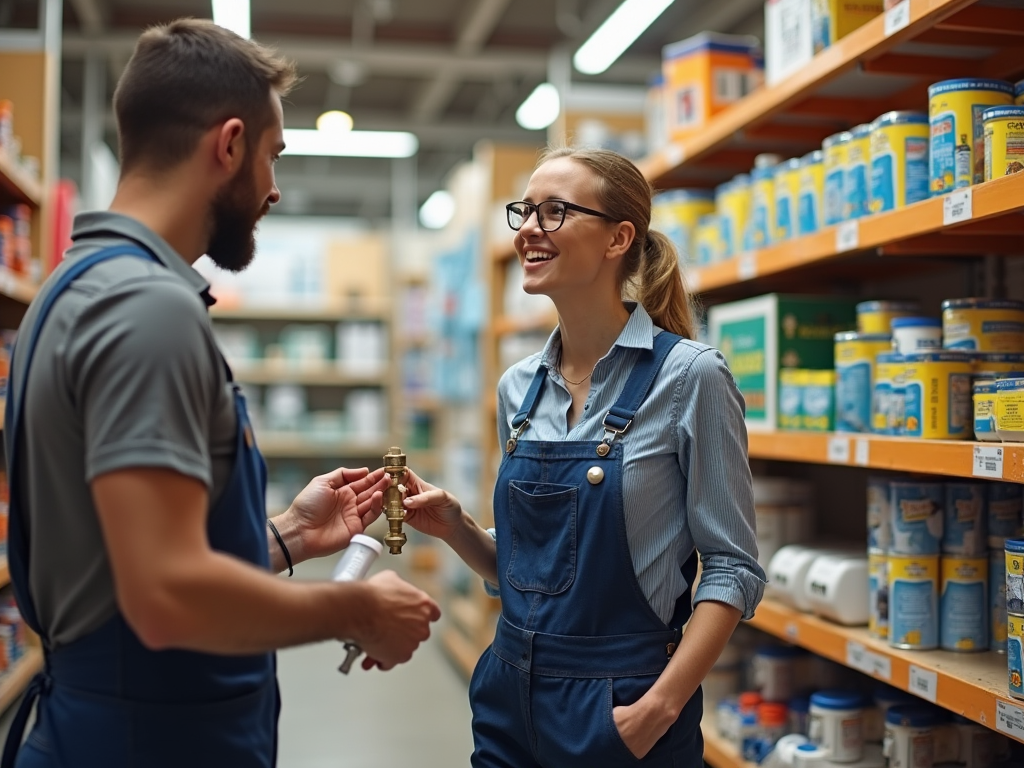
pixel 588 331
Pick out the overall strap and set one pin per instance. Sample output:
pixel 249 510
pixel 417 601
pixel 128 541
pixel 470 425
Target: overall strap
pixel 25 347
pixel 633 394
pixel 523 416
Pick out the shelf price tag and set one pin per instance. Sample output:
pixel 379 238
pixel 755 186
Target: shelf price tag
pixel 674 153
pixel 862 452
pixel 923 683
pixel 839 450
pixel 860 658
pixel 792 630
pixel 748 265
pixel 988 462
pixel 847 236
pixel 957 207
pixel 1010 719
pixel 897 18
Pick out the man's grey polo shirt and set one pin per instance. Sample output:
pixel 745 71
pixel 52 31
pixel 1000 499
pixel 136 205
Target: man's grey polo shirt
pixel 126 374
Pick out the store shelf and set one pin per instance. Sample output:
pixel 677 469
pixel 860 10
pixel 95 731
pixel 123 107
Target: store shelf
pixel 17 287
pixel 506 325
pixel 787 111
pixel 286 446
pixel 460 650
pixel 953 458
pixel 5 572
pixel 334 314
pixel 323 375
pixel 16 184
pixel 972 685
pixel 17 678
pixel 995 225
pixel 719 753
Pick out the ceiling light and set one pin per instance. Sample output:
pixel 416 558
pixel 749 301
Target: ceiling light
pixel 619 31
pixel 438 210
pixel 233 15
pixel 540 108
pixel 334 121
pixel 301 141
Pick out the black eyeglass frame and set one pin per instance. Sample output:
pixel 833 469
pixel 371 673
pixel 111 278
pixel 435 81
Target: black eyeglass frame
pixel 532 208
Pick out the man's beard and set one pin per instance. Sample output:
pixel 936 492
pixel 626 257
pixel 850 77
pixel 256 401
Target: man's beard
pixel 234 213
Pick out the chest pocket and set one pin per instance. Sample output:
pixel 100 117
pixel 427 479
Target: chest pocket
pixel 543 518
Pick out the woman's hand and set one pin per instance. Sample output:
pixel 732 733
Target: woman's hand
pixel 429 509
pixel 640 728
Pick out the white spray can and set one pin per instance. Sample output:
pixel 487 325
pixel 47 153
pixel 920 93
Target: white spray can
pixel 354 564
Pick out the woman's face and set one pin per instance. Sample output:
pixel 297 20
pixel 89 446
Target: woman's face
pixel 574 256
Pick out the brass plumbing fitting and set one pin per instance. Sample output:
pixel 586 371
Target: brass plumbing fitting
pixel 395 465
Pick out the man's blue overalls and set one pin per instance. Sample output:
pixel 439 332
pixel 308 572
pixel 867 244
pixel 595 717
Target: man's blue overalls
pixel 576 635
pixel 107 701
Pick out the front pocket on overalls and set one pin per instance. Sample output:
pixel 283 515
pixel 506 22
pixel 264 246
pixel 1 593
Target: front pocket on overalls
pixel 543 520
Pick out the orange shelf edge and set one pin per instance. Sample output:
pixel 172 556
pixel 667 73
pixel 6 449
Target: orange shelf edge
pixel 869 41
pixel 19 184
pixel 903 454
pixel 967 684
pixel 993 198
pixel 17 287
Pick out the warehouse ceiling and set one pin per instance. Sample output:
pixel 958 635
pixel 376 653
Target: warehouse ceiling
pixel 451 71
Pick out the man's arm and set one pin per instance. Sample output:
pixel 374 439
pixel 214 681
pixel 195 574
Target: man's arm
pixel 177 592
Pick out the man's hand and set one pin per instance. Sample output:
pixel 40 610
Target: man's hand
pixel 397 620
pixel 330 511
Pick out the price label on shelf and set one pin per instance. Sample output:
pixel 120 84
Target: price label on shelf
pixel 988 462
pixel 923 683
pixel 792 631
pixel 748 265
pixel 674 153
pixel 847 236
pixel 897 18
pixel 839 450
pixel 1010 719
pixel 957 207
pixel 860 658
pixel 862 452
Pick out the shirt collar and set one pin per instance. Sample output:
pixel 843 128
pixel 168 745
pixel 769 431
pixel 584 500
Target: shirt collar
pixel 107 224
pixel 638 333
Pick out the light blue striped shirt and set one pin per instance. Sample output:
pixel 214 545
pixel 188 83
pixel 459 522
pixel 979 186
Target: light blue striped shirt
pixel 686 481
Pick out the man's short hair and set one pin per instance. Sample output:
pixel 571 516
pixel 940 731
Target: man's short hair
pixel 186 77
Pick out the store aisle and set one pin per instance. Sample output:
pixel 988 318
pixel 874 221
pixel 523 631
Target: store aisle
pixel 417 714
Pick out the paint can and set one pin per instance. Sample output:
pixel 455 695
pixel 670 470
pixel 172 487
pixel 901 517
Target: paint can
pixel 937 399
pixel 856 187
pixel 837 724
pixel 706 240
pixel 964 528
pixel 812 192
pixel 834 150
pixel 886 410
pixel 913 601
pixel 787 197
pixel 957 146
pixel 1010 410
pixel 855 368
pixel 1015 576
pixel 917 509
pixel 899 160
pixel 910 736
pixel 762 207
pixel 997 600
pixel 877 316
pixel 963 604
pixel 1004 141
pixel 1014 655
pixel 878 594
pixel 983 325
pixel 984 397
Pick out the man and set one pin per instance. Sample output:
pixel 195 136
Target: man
pixel 139 544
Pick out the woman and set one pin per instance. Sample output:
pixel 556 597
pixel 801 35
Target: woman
pixel 625 454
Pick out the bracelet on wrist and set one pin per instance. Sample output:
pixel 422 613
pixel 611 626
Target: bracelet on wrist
pixel 284 549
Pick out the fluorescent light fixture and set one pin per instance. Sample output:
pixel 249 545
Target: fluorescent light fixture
pixel 540 109
pixel 335 121
pixel 233 15
pixel 438 210
pixel 301 141
pixel 619 31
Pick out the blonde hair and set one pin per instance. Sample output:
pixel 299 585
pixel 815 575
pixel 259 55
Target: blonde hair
pixel 650 271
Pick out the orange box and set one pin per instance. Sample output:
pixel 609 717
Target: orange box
pixel 706 73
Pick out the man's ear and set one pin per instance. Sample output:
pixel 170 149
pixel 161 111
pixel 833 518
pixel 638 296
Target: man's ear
pixel 230 145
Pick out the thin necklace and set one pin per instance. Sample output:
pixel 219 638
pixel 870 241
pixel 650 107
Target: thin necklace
pixel 566 378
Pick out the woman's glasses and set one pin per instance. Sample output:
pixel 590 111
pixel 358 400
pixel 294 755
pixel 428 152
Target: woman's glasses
pixel 550 213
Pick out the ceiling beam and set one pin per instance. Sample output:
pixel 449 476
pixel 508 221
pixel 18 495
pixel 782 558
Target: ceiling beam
pixel 89 15
pixel 419 61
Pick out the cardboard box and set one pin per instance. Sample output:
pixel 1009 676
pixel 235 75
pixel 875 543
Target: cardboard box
pixel 761 336
pixel 832 20
pixel 357 272
pixel 706 73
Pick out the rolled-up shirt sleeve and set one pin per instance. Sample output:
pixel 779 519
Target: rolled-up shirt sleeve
pixel 719 493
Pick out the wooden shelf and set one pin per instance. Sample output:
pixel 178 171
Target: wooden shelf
pixel 15 183
pixel 284 446
pixel 17 678
pixel 460 650
pixel 719 753
pixel 17 287
pixel 333 314
pixel 793 112
pixel 502 253
pixel 967 684
pixel 326 374
pixel 996 225
pixel 954 458
pixel 5 572
pixel 506 326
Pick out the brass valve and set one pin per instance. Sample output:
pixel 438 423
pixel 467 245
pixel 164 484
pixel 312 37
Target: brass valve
pixel 394 465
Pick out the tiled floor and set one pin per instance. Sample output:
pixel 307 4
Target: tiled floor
pixel 415 715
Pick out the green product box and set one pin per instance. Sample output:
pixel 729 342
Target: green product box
pixel 762 336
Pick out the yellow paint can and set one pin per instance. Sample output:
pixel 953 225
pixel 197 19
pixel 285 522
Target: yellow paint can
pixel 899 160
pixel 835 153
pixel 706 240
pixel 877 316
pixel 937 395
pixel 957 146
pixel 913 601
pixel 983 325
pixel 1010 410
pixel 855 373
pixel 1004 141
pixel 812 192
pixel 732 203
pixel 787 199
